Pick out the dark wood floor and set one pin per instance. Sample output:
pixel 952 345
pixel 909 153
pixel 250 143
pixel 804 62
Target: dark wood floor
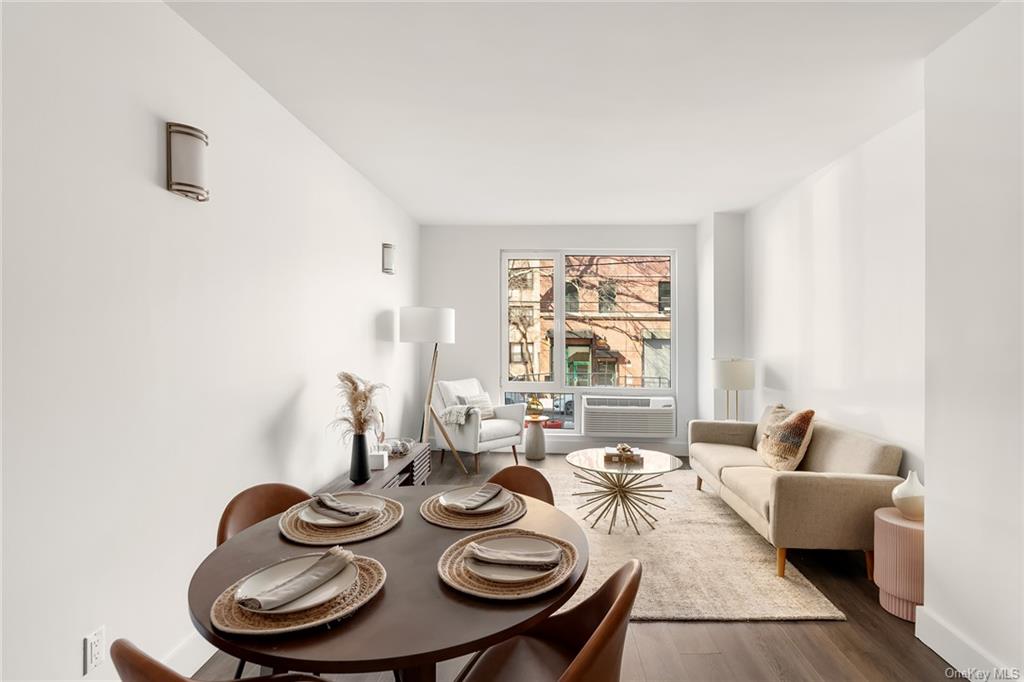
pixel 870 645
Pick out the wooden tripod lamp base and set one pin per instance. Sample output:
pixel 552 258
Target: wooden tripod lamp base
pixel 430 414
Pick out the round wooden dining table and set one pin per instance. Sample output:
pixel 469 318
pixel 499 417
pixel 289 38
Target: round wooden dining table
pixel 411 624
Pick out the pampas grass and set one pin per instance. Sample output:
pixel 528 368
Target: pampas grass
pixel 358 410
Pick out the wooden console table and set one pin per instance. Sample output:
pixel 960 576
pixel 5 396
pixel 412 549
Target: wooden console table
pixel 411 469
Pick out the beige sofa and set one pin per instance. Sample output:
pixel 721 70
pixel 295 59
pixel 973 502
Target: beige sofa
pixel 827 503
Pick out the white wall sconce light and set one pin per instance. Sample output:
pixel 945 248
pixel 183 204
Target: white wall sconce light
pixel 186 156
pixel 388 262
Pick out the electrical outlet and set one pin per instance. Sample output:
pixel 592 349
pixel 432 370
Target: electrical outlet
pixel 94 650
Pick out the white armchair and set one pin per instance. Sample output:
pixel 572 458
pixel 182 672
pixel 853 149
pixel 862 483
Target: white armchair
pixel 480 435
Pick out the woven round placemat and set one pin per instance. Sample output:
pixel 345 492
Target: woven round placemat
pixel 228 616
pixel 433 511
pixel 453 571
pixel 297 530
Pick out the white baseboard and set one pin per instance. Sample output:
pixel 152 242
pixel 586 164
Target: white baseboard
pixel 190 655
pixel 961 652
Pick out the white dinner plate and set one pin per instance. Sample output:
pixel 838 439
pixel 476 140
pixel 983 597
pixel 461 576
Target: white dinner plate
pixel 494 504
pixel 510 574
pixel 275 574
pixel 309 516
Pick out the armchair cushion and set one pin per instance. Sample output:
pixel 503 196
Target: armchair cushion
pixel 493 429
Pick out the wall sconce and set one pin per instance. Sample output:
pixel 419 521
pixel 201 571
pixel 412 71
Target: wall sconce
pixel 186 168
pixel 388 265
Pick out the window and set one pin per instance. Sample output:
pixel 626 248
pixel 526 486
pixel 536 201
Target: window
pixel 606 296
pixel 664 297
pixel 530 319
pixel 587 320
pixel 521 279
pixel 572 296
pixel 559 408
pixel 626 292
pixel 521 314
pixel 520 352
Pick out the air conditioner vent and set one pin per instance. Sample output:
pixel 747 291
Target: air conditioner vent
pixel 623 417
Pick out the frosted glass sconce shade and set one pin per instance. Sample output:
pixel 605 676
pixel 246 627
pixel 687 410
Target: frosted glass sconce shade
pixel 186 161
pixel 388 264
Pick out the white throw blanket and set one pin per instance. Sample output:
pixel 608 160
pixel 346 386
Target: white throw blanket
pixel 456 415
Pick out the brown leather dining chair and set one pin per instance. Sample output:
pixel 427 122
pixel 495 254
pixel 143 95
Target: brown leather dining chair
pixel 583 644
pixel 133 665
pixel 526 481
pixel 251 506
pixel 255 504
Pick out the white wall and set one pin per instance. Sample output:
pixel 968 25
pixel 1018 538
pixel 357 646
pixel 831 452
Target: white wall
pixel 705 269
pixel 160 355
pixel 461 267
pixel 974 567
pixel 720 307
pixel 835 291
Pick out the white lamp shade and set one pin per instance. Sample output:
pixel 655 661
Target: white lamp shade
pixel 420 324
pixel 734 374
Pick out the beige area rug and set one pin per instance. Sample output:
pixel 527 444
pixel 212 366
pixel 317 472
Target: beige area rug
pixel 702 562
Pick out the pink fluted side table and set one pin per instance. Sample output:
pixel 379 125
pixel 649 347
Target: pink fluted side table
pixel 899 563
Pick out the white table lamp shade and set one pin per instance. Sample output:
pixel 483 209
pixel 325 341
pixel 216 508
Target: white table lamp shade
pixel 734 374
pixel 419 324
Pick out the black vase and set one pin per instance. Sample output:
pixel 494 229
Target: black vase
pixel 359 467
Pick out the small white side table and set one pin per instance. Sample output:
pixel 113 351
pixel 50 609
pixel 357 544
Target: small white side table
pixel 535 448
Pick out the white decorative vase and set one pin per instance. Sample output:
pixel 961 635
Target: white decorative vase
pixel 909 497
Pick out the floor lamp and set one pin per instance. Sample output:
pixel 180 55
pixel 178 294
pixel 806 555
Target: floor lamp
pixel 733 375
pixel 420 324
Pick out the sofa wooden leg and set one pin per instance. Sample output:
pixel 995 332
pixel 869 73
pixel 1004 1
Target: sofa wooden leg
pixel 700 482
pixel 476 463
pixel 515 455
pixel 869 562
pixel 442 455
pixel 780 562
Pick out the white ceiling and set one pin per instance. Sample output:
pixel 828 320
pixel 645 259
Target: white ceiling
pixel 585 113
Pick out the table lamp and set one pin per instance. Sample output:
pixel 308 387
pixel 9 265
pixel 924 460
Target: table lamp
pixel 422 324
pixel 733 375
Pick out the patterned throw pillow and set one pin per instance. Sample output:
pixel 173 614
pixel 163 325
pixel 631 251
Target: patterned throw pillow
pixel 785 443
pixel 771 416
pixel 481 401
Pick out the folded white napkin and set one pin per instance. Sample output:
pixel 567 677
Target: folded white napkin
pixel 326 567
pixel 485 494
pixel 540 560
pixel 335 507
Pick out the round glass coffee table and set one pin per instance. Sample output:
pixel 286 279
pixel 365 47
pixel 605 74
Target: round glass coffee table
pixel 627 490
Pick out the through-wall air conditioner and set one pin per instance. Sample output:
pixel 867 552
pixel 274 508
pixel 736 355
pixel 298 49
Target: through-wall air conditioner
pixel 620 417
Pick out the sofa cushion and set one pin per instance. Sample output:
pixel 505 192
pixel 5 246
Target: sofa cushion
pixel 715 456
pixel 753 485
pixel 772 415
pixel 785 443
pixel 493 429
pixel 837 449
